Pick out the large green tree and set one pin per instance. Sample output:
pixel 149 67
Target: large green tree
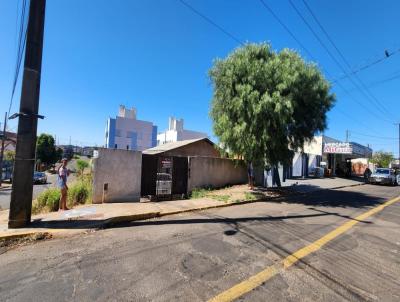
pixel 46 151
pixel 382 159
pixel 266 104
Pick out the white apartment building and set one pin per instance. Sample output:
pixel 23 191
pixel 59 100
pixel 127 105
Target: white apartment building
pixel 127 132
pixel 176 133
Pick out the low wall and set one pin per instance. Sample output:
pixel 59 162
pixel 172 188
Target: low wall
pixel 215 172
pixel 117 176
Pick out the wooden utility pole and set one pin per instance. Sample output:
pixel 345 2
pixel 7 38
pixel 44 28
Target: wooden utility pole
pixel 3 139
pixel 22 187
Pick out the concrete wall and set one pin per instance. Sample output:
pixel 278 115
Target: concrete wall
pixel 215 172
pixel 297 165
pixel 314 146
pixel 121 170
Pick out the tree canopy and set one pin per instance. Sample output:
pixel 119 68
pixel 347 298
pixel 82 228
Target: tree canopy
pixel 46 150
pixel 382 159
pixel 266 104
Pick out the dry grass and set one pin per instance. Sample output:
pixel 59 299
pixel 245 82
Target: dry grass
pixel 231 194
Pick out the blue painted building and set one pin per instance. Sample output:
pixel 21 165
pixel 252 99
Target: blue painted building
pixel 126 132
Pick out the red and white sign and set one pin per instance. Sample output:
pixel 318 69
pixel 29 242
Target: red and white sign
pixel 338 148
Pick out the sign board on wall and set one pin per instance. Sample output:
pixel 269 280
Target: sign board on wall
pixel 338 148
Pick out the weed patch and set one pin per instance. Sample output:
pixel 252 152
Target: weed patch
pixel 223 198
pixel 199 193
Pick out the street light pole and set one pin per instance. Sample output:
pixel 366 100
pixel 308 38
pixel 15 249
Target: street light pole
pixel 22 186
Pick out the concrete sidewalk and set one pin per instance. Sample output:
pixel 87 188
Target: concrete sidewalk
pixel 87 217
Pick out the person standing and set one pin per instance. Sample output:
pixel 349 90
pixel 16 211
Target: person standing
pixel 250 174
pixel 367 174
pixel 62 176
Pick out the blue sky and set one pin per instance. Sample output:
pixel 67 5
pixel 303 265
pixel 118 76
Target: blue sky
pixel 155 55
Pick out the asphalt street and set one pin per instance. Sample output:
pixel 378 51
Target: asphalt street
pixel 196 256
pixel 5 194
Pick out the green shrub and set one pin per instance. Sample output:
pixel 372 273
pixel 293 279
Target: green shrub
pixel 79 192
pixel 48 200
pixel 81 165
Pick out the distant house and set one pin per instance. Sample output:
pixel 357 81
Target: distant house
pixel 10 141
pixel 88 151
pixel 176 133
pixel 68 150
pixel 127 132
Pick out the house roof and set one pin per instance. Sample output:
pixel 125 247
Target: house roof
pixel 175 145
pixel 9 135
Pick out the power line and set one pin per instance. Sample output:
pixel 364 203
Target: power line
pixel 211 22
pixel 351 118
pixel 341 54
pixel 392 77
pixel 384 80
pixel 374 136
pixel 20 51
pixel 354 71
pixel 266 6
pixel 372 99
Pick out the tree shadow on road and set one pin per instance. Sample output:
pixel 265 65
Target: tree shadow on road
pixel 316 201
pixel 339 198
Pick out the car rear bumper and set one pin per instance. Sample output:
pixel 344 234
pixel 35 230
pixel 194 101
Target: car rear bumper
pixel 384 181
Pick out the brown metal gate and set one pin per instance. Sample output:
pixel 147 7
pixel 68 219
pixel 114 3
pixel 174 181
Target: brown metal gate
pixel 149 174
pixel 180 175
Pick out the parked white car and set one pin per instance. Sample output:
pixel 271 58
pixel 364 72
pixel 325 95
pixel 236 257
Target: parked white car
pixel 384 176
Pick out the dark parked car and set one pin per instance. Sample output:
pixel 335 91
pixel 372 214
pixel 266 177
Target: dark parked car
pixel 383 176
pixel 39 178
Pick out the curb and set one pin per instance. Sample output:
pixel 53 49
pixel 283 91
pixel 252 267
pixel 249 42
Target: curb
pixel 7 237
pixel 149 215
pixel 128 218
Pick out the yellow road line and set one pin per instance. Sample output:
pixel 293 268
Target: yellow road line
pixel 258 279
